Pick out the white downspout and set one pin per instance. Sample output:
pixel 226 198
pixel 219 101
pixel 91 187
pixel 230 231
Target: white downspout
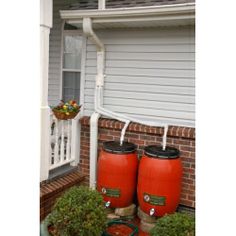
pixel 101 4
pixel 93 149
pixel 99 110
pixel 95 116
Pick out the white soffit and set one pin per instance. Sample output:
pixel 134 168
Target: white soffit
pixel 170 15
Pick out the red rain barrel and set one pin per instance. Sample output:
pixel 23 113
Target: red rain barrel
pixel 159 180
pixel 117 173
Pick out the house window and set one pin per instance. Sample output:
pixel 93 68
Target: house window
pixel 71 65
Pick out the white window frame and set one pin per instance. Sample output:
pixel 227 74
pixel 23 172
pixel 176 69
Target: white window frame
pixel 83 62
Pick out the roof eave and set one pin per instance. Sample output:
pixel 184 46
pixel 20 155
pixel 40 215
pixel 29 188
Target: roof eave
pixel 154 13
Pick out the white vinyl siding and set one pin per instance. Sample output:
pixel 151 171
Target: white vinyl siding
pixel 149 74
pixel 54 88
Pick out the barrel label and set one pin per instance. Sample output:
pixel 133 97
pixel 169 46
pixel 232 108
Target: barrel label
pixel 111 192
pixel 154 200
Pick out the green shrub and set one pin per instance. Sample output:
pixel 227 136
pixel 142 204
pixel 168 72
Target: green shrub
pixel 79 211
pixel 177 224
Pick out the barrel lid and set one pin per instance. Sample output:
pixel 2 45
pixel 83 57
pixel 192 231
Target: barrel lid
pixel 115 147
pixel 157 152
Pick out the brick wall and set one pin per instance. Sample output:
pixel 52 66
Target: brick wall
pixel 50 191
pixel 182 138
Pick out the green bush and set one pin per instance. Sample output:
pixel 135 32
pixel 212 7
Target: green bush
pixel 79 211
pixel 177 224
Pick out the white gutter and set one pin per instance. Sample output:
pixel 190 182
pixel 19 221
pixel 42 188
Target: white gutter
pixel 162 14
pixel 178 9
pixel 99 110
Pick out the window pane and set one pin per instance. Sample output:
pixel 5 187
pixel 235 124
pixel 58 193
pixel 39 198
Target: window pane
pixel 71 86
pixel 72 52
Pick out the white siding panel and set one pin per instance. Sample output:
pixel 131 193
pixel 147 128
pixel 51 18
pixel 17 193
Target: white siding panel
pixel 140 63
pixel 148 96
pixel 185 82
pixel 168 56
pixel 148 48
pixel 144 72
pixel 55 54
pixel 141 103
pixel 144 88
pixel 149 74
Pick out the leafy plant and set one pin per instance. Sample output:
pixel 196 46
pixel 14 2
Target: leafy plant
pixel 79 211
pixel 177 224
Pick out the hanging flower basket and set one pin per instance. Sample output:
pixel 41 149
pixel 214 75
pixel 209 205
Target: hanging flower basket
pixel 66 111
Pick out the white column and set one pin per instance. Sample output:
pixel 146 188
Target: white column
pixel 45 25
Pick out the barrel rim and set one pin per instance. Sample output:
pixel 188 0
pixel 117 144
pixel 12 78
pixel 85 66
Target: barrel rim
pixel 114 147
pixel 155 151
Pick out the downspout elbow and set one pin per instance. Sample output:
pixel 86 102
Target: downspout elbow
pixel 88 31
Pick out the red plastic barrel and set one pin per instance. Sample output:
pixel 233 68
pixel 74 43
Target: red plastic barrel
pixel 117 173
pixel 159 180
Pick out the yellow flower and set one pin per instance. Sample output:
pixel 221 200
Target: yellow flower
pixel 64 107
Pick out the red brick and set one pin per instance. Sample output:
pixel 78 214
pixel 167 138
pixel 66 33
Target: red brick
pixel 192 154
pixel 132 135
pixel 186 202
pixel 188 191
pixel 136 141
pixel 185 154
pixel 170 131
pixel 193 165
pixel 190 197
pixel 84 152
pixel 152 130
pixel 188 170
pixel 85 161
pixel 114 133
pixel 186 164
pixel 186 175
pixel 84 143
pixel 192 187
pixel 159 139
pixel 147 143
pixel 184 132
pixel 105 137
pixel 192 143
pixel 186 180
pixel 147 137
pixel 187 148
pixel 181 141
pixel 131 127
pixel 180 131
pixel 187 159
pixel 185 186
pixel 192 177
